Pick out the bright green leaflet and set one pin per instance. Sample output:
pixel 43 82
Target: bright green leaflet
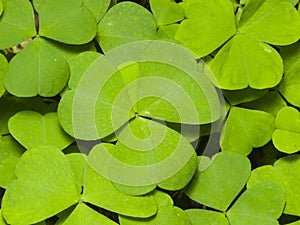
pixel 3 69
pixel 31 129
pixel 17 23
pixel 221 182
pixel 289 87
pixel 167 214
pixel 10 148
pixel 254 129
pixel 123 24
pixel 111 96
pixel 70 22
pixel 238 64
pixel 79 64
pixel 150 151
pixel 100 191
pixel 9 105
pixel 272 102
pixel 290 55
pixel 97 7
pixel 37 70
pixel 83 215
pixel 286 137
pixel 166 11
pixel 49 184
pixel 168 32
pixel 294 223
pixel 245 95
pixel 285 172
pixel 1 8
pixel 293 2
pixel 261 204
pixel 208 25
pixel 78 164
pixel 270 21
pixel 198 216
pixel 7 171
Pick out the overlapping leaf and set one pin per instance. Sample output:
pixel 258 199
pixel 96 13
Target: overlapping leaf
pixel 166 214
pixel 239 64
pixel 3 69
pixel 44 176
pixel 122 24
pixel 208 25
pixel 69 22
pixel 17 23
pixel 286 173
pixel 286 137
pixel 245 129
pixel 29 73
pixel 32 129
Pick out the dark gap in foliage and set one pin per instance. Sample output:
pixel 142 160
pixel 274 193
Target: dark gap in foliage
pixel 144 3
pixel 111 215
pixel 97 46
pixel 36 18
pixel 184 202
pixel 52 220
pixel 285 219
pixel 209 145
pixel 86 146
pixel 2 190
pixel 236 198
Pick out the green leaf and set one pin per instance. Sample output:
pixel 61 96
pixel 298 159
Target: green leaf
pixel 7 171
pixel 1 8
pixel 9 148
pixel 261 204
pixel 123 24
pixel 37 70
pixel 16 24
pixel 254 127
pixel 78 66
pixel 100 191
pixel 285 172
pixel 221 182
pixel 166 11
pixel 83 215
pixel 286 137
pixel 166 214
pixel 2 222
pixel 97 7
pixel 270 21
pixel 245 95
pixel 42 189
pixel 208 25
pixel 241 62
pixel 3 70
pixel 289 87
pixel 290 55
pixel 32 129
pixel 199 216
pixel 10 105
pixel 78 164
pixel 271 103
pixel 70 22
pixel 125 85
pixel 152 152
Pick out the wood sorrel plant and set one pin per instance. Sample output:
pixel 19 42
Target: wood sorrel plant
pixel 149 112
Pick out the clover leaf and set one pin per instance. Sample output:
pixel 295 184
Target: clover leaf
pixel 97 7
pixel 207 26
pixel 287 133
pixel 44 176
pixel 83 215
pixel 269 21
pixel 10 105
pixel 10 148
pixel 122 24
pixel 16 25
pixel 246 122
pixel 1 8
pixel 236 64
pixel 99 191
pixel 3 69
pixel 69 22
pixel 141 158
pixel 211 186
pixel 237 97
pixel 37 77
pixel 284 172
pixel 220 183
pixel 166 214
pixel 166 11
pixel 31 129
pixel 120 92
